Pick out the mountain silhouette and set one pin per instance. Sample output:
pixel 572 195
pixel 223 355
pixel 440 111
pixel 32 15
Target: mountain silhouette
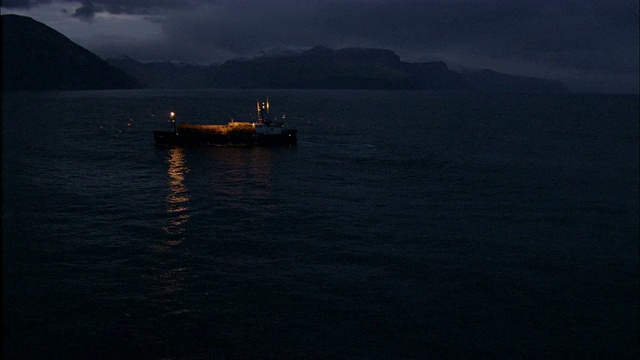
pixel 324 68
pixel 37 57
pixel 492 81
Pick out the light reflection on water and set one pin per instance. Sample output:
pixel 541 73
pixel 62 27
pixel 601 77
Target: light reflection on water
pixel 172 275
pixel 178 197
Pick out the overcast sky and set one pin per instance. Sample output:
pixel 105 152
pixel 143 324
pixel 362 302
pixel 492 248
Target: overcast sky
pixel 590 45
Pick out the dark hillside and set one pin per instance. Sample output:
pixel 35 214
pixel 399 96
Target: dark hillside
pixel 37 57
pixel 162 74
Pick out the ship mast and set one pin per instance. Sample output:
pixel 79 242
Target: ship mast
pixel 263 111
pixel 258 110
pixel 172 116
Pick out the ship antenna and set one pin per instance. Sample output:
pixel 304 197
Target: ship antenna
pixel 258 109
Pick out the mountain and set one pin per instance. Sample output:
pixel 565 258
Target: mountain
pixel 163 74
pixel 436 76
pixel 491 81
pixel 316 68
pixel 321 67
pixel 324 68
pixel 36 57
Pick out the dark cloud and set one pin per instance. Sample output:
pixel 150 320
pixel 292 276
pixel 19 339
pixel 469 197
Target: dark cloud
pixel 87 11
pixel 146 7
pixel 22 4
pixel 555 38
pixel 90 8
pixel 557 34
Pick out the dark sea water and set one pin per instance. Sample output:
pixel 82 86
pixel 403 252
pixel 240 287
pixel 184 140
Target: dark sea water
pixel 403 225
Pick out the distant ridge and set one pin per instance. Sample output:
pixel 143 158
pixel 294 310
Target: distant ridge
pixel 37 57
pixel 492 81
pixel 164 74
pixel 324 68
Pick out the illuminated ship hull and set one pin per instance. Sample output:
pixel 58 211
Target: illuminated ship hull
pixel 246 134
pixel 265 132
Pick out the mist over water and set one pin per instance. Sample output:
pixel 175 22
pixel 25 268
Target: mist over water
pixel 403 225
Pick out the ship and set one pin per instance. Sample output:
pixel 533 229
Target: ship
pixel 263 132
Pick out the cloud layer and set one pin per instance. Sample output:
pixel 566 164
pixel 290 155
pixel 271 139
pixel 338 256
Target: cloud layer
pixel 573 41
